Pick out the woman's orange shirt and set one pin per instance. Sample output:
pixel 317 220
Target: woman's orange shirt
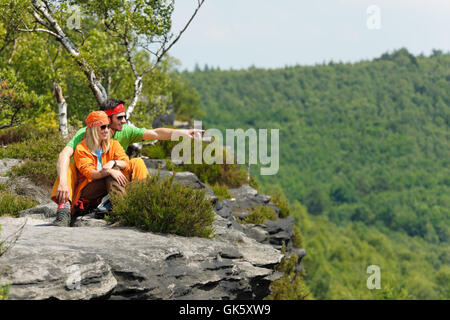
pixel 86 162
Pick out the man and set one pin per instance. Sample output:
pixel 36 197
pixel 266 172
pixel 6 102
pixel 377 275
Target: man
pixel 67 174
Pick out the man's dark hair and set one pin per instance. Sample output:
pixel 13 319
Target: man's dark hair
pixel 110 104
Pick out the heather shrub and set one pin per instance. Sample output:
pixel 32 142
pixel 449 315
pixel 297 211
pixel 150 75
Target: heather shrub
pixel 297 240
pixel 12 204
pixel 282 203
pixel 221 191
pixel 39 148
pixel 154 152
pixel 40 172
pixel 160 150
pixel 4 291
pixel 291 285
pixel 16 134
pixel 45 146
pixel 160 205
pixel 253 183
pixel 259 215
pixel 231 175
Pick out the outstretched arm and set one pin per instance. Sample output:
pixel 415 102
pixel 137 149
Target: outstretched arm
pixel 166 133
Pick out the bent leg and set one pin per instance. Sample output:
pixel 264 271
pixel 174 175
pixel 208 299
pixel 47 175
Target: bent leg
pixel 136 170
pixel 94 190
pixel 112 186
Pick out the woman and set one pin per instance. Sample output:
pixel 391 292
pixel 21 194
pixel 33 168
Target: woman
pixel 102 165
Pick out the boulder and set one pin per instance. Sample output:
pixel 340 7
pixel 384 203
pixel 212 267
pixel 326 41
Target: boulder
pixel 224 208
pixel 154 163
pixel 105 262
pixel 256 232
pixel 166 118
pixel 25 187
pixel 187 179
pixel 280 232
pixel 42 211
pixel 99 261
pixel 247 197
pixel 6 164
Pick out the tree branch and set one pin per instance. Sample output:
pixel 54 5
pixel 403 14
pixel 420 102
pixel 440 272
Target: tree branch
pixel 96 87
pixel 70 47
pixel 13 51
pixel 163 52
pixel 39 30
pixel 40 20
pixel 129 56
pixel 7 41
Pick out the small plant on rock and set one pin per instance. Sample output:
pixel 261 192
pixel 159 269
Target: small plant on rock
pixel 291 285
pixel 221 192
pixel 282 203
pixel 160 205
pixel 12 204
pixel 259 215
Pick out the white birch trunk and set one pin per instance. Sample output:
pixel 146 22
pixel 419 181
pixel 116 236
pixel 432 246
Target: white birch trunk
pixel 137 94
pixel 95 85
pixel 62 110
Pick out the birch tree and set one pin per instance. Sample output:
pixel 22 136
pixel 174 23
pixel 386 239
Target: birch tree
pixel 137 25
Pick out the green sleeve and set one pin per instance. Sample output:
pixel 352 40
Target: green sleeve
pixel 77 138
pixel 136 134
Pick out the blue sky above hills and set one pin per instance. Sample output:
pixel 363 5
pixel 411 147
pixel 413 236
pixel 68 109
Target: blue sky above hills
pixel 241 33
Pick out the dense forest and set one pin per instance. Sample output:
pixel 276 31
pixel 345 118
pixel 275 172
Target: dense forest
pixel 364 150
pixel 364 147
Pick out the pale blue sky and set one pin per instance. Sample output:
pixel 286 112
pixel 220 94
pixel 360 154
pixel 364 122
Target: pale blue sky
pixel 240 33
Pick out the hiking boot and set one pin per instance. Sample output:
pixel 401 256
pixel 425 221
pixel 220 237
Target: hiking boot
pixel 105 205
pixel 63 218
pixel 82 207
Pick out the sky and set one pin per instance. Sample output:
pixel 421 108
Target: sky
pixel 237 34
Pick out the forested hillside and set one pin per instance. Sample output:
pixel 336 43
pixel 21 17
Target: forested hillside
pixel 364 146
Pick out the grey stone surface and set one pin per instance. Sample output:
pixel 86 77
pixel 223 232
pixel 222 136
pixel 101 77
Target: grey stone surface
pixel 25 187
pixel 247 197
pixel 117 262
pixel 300 252
pixel 241 214
pixel 46 211
pixel 96 260
pixel 167 118
pixel 256 232
pixel 6 164
pixel 155 163
pixel 187 179
pixel 89 221
pixel 224 208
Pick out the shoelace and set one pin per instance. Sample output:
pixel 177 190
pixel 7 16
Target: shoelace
pixel 61 217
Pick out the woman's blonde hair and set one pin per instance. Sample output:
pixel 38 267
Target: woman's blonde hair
pixel 92 139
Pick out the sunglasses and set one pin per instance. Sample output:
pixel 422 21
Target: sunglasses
pixel 104 127
pixel 120 118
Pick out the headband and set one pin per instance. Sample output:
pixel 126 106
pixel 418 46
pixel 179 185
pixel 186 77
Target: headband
pixel 117 109
pixel 97 118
